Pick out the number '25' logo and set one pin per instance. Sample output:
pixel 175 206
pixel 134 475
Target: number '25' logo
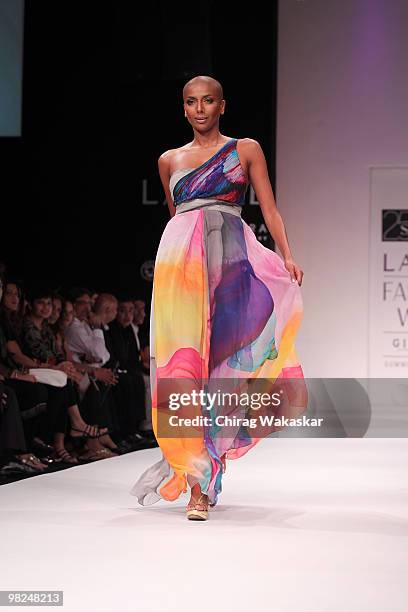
pixel 394 225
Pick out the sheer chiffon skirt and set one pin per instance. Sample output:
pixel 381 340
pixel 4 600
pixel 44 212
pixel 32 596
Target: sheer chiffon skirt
pixel 223 308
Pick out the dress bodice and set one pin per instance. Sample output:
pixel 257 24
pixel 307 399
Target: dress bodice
pixel 221 177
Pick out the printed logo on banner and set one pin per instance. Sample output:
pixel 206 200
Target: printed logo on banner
pixel 394 224
pixel 388 273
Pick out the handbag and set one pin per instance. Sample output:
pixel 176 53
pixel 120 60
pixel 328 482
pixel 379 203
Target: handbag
pixel 47 376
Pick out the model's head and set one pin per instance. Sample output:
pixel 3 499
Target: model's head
pixel 203 102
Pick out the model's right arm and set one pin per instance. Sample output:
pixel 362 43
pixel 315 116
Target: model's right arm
pixel 164 171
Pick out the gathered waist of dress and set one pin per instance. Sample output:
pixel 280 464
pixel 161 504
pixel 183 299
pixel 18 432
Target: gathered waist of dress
pixel 211 204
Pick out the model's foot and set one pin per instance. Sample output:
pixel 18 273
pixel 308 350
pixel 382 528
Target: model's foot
pixel 197 508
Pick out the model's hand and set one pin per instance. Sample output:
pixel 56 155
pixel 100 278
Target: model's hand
pixel 296 274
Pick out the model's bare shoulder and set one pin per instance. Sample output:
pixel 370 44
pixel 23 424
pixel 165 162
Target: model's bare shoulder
pixel 249 146
pixel 249 150
pixel 164 160
pixel 168 159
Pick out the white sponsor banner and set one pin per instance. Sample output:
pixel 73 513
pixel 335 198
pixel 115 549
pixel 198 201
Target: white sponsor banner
pixel 388 274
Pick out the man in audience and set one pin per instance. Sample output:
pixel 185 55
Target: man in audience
pixel 138 320
pixel 85 334
pixel 130 390
pixel 85 340
pixel 142 340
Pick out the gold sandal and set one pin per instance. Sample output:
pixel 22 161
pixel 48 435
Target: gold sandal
pixel 197 510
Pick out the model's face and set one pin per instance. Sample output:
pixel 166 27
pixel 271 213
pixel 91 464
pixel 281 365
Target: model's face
pixel 42 307
pixel 203 107
pixel 11 298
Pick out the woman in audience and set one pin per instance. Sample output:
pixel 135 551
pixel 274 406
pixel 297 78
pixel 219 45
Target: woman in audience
pixel 58 401
pixel 32 404
pixel 57 301
pixel 65 320
pixel 12 308
pixel 41 343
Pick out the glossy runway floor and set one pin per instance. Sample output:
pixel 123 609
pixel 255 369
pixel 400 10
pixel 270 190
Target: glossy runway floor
pixel 302 524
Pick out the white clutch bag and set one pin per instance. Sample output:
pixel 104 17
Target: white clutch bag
pixel 56 378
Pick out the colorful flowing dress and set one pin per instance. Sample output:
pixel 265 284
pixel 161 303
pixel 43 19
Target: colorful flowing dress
pixel 224 311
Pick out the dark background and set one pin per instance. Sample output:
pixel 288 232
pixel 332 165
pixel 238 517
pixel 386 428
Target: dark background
pixel 102 99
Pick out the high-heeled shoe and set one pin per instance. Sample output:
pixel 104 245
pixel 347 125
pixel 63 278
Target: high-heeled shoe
pixel 197 509
pixel 86 432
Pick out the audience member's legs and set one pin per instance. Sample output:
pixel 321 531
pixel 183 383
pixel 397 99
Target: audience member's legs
pixel 12 440
pixel 11 427
pixel 146 424
pixel 32 402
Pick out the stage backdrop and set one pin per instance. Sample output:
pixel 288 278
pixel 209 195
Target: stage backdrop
pixel 341 117
pixel 102 100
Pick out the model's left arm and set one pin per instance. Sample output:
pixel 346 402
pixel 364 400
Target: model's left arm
pixel 259 179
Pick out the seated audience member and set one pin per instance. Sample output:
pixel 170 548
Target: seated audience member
pixel 138 320
pixel 40 342
pixel 13 447
pixel 94 296
pixel 32 398
pixel 85 339
pixel 145 366
pixel 12 308
pixel 57 302
pixel 130 390
pixel 14 457
pixel 85 336
pixel 105 310
pixel 60 327
pixel 38 339
pixel 142 339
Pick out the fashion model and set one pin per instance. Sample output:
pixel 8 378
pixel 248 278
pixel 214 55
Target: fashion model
pixel 225 309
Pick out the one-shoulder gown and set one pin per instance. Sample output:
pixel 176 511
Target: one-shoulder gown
pixel 223 307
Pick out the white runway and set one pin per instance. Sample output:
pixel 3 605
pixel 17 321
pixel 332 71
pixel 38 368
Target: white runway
pixel 302 525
